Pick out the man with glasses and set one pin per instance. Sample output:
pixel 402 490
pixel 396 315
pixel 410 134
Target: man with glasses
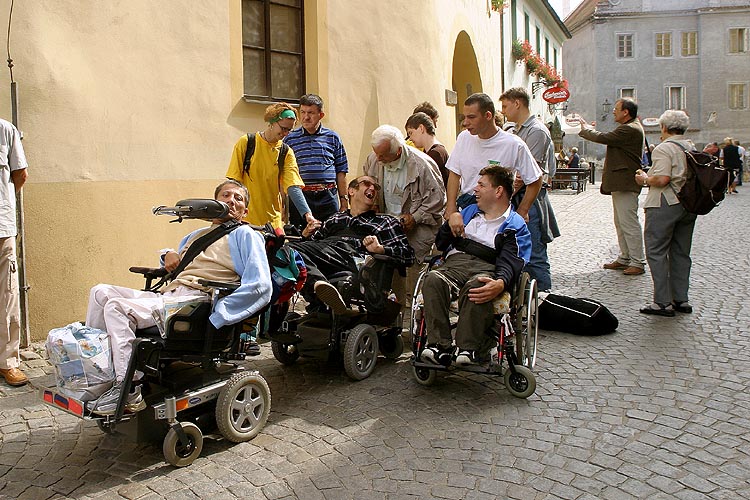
pixel 622 160
pixel 322 162
pixel 346 237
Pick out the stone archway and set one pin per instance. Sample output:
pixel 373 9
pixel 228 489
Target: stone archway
pixel 466 77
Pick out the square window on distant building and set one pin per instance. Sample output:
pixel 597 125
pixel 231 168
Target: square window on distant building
pixel 664 45
pixel 625 46
pixel 689 43
pixel 737 40
pixel 273 50
pixel 674 97
pixel 627 93
pixel 738 96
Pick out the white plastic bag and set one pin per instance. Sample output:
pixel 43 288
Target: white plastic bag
pixel 82 359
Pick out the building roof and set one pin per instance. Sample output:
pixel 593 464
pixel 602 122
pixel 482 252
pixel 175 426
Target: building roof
pixel 557 19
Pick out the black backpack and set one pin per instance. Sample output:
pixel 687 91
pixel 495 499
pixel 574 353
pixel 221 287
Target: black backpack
pixel 706 182
pixel 251 150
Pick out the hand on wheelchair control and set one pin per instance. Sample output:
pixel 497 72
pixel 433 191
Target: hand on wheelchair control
pixel 372 244
pixel 456 223
pixel 171 260
pixel 311 227
pixel 491 289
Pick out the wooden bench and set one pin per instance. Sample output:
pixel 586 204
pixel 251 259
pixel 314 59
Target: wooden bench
pixel 564 177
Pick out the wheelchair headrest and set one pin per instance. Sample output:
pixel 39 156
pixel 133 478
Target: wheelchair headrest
pixel 195 208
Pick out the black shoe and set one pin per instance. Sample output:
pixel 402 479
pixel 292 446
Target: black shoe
pixel 658 310
pixel 252 348
pixel 682 307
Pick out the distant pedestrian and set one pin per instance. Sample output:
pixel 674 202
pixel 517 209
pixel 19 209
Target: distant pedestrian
pixel 12 177
pixel 669 227
pixel 712 148
pixel 623 159
pixel 743 161
pixel 730 155
pixel 574 160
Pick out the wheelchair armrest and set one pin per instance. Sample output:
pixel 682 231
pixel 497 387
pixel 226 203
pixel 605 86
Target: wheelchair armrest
pixel 149 272
pixel 224 286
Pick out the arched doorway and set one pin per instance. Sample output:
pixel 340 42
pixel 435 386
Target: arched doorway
pixel 466 78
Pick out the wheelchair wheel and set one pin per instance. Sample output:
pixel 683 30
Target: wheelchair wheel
pixel 286 354
pixel 243 406
pixel 424 376
pixel 179 454
pixel 526 325
pixel 521 384
pixel 360 351
pixel 391 346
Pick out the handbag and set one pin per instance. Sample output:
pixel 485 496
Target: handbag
pixel 576 315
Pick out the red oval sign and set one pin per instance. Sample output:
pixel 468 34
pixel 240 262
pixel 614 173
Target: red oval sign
pixel 556 94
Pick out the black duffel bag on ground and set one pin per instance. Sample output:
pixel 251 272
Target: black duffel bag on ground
pixel 578 316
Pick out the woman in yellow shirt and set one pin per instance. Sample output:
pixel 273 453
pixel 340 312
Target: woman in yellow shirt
pixel 264 179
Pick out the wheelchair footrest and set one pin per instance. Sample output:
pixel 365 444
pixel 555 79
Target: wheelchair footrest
pixel 285 338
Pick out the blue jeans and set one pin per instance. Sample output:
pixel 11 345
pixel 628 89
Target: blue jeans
pixel 322 203
pixel 538 266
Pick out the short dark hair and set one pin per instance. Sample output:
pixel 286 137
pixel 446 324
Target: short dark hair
pixel 516 94
pixel 500 176
pixel 483 100
pixel 311 100
pixel 428 109
pixel 628 105
pixel 418 119
pixel 234 183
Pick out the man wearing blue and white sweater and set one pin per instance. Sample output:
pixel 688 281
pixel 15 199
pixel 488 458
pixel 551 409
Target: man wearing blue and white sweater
pixel 239 255
pixel 484 258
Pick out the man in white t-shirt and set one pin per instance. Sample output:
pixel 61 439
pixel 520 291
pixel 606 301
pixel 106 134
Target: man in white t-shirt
pixel 484 143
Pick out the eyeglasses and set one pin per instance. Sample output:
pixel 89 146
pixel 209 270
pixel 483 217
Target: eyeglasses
pixel 368 183
pixel 284 129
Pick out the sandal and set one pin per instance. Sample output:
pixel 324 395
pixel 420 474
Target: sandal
pixel 658 310
pixel 682 307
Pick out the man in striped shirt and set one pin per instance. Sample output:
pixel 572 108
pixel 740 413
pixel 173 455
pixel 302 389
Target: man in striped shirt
pixel 322 162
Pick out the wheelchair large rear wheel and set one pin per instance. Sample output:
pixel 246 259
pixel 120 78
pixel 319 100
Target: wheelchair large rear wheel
pixel 361 351
pixel 243 406
pixel 526 324
pixel 521 384
pixel 183 454
pixel 286 354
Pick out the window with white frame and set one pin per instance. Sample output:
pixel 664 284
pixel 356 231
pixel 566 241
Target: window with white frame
pixel 674 97
pixel 273 49
pixel 689 43
pixel 627 93
pixel 737 40
pixel 738 95
pixel 624 45
pixel 663 45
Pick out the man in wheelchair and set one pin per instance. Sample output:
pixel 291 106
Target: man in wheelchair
pixel 345 238
pixel 485 255
pixel 238 255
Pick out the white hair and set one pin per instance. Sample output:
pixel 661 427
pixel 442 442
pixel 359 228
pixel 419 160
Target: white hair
pixel 390 134
pixel 675 120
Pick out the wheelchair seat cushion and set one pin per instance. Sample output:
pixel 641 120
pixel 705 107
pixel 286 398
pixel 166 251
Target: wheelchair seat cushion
pixel 501 304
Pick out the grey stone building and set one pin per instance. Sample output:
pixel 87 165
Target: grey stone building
pixel 667 54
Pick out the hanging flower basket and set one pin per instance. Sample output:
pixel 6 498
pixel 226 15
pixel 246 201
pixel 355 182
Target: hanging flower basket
pixel 498 5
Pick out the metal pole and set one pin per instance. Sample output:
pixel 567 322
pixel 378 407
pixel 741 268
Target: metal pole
pixel 23 287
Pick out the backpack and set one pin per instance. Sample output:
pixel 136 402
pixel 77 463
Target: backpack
pixel 706 182
pixel 251 150
pixel 288 274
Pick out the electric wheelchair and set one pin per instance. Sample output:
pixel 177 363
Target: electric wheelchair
pixel 191 379
pixel 372 324
pixel 515 329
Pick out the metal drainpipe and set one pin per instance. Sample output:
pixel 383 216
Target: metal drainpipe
pixel 23 286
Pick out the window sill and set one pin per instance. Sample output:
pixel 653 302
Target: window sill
pixel 268 101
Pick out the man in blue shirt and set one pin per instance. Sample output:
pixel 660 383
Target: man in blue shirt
pixel 322 163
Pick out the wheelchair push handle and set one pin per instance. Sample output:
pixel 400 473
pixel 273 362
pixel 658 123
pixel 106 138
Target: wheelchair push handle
pixel 194 208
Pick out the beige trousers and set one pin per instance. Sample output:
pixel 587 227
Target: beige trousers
pixel 629 232
pixel 10 328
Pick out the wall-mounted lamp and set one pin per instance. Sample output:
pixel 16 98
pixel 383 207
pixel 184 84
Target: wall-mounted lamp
pixel 605 109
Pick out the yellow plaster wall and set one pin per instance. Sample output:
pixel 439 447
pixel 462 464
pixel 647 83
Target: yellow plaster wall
pixel 129 104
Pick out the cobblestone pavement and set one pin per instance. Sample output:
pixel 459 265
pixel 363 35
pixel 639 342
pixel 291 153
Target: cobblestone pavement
pixel 658 409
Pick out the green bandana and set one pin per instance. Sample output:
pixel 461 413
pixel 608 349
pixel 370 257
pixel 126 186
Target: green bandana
pixel 287 113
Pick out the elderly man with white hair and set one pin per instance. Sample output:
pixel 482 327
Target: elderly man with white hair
pixel 413 189
pixel 669 227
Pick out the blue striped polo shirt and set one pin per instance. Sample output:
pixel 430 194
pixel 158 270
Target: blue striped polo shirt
pixel 320 156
